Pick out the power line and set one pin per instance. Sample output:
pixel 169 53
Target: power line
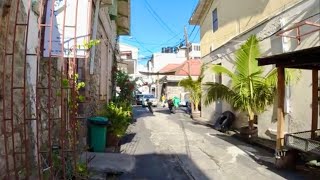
pixel 158 18
pixel 195 35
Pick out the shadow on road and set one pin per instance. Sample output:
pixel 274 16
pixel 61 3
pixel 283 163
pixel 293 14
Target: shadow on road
pixel 127 138
pixel 163 167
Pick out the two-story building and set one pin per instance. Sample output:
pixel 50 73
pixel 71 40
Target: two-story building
pixel 226 24
pixel 128 59
pixel 168 55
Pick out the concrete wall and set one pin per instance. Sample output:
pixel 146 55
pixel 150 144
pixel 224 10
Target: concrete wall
pixel 298 116
pixel 160 60
pixel 174 90
pixel 245 15
pixel 126 47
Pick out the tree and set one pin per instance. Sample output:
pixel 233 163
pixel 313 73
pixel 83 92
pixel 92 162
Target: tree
pixel 194 88
pixel 251 90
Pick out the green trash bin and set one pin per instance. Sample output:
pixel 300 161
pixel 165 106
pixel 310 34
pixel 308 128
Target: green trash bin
pixel 97 133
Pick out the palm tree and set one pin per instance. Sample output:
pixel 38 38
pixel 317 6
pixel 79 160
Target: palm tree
pixel 194 88
pixel 251 90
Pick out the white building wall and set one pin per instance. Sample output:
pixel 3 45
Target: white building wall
pixel 133 62
pixel 299 116
pixel 162 59
pixel 126 47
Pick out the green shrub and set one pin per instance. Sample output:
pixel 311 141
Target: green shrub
pixel 119 114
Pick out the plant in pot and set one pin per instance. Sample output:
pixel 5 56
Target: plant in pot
pixel 194 88
pixel 120 117
pixel 251 90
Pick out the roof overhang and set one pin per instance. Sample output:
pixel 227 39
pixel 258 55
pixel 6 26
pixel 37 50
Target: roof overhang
pixel 199 12
pixel 124 19
pixel 157 73
pixel 300 59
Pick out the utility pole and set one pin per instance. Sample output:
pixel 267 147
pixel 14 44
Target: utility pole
pixel 187 55
pixel 187 47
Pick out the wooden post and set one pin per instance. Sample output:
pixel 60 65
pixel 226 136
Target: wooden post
pixel 280 116
pixel 314 124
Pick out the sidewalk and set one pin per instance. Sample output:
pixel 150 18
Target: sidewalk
pixel 266 144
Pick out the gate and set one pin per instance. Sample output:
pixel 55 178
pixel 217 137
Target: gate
pixel 40 128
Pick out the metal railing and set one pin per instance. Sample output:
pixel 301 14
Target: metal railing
pixel 306 141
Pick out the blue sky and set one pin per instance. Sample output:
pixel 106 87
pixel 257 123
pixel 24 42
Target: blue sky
pixel 159 23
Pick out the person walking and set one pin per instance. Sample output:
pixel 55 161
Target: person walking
pixel 163 100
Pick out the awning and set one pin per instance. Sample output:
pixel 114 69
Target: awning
pixel 300 59
pixel 199 12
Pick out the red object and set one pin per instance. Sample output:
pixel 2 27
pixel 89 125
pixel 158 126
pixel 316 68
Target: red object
pixel 183 69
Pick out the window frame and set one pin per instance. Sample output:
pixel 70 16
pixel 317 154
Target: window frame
pixel 215 22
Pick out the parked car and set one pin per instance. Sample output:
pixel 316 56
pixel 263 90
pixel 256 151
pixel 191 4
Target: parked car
pixel 139 99
pixel 151 98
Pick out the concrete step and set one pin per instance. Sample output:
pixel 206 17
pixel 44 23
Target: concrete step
pixel 108 163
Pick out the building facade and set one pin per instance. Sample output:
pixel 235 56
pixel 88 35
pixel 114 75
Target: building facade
pixel 128 59
pixel 223 32
pixel 168 55
pixel 50 81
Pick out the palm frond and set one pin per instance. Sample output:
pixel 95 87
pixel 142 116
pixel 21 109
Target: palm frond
pixel 217 91
pixel 246 62
pixel 292 76
pixel 220 69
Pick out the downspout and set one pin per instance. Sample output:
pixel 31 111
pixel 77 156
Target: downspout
pixel 94 34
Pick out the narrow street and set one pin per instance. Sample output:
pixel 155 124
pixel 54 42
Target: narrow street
pixel 175 147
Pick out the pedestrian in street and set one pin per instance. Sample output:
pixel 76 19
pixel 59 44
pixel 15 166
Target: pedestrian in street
pixel 163 100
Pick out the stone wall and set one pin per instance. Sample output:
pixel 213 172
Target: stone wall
pixel 14 130
pixel 174 90
pixel 54 103
pixel 99 85
pixel 18 124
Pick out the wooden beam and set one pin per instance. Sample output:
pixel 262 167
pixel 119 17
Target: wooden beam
pixel 280 116
pixel 314 124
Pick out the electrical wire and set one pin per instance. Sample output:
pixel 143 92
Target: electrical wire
pixel 158 18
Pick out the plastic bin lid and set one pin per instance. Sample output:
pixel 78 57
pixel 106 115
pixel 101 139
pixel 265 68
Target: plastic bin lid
pixel 99 120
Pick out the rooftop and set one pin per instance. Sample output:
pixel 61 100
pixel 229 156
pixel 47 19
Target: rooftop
pixel 183 69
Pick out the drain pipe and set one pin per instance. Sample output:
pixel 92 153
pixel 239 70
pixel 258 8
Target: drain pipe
pixel 94 34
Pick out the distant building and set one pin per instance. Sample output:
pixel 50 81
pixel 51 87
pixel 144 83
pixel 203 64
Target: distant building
pixel 128 59
pixel 168 55
pixel 168 84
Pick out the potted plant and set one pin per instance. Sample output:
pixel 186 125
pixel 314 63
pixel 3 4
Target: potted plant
pixel 251 90
pixel 194 88
pixel 120 117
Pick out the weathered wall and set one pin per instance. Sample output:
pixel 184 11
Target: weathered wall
pixel 15 97
pixel 245 15
pixel 174 90
pixel 98 84
pixel 299 117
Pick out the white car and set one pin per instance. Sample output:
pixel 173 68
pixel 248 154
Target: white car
pixel 151 98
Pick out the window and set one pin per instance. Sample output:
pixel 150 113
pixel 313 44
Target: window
pixel 214 20
pixel 196 48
